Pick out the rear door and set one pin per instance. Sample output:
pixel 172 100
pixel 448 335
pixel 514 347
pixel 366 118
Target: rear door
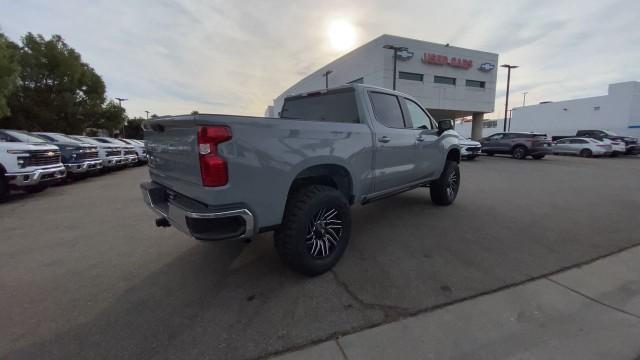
pixel 425 131
pixel 394 164
pixel 491 143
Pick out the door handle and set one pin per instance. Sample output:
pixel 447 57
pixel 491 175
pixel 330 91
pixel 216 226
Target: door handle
pixel 419 139
pixel 384 139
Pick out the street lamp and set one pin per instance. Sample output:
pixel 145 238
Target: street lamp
pixel 395 59
pixel 506 104
pixel 326 78
pixel 147 111
pixel 524 98
pixel 120 100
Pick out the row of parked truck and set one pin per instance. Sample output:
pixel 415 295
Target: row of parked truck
pixel 33 161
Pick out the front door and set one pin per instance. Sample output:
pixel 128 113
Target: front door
pixel 427 150
pixel 394 164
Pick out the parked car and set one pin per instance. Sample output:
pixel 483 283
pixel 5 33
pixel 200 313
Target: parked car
pixel 518 144
pixel 141 152
pixel 110 154
pixel 631 144
pixel 220 177
pixel 128 151
pixel 469 149
pixel 27 163
pixel 632 147
pixel 618 147
pixel 79 158
pixel 585 147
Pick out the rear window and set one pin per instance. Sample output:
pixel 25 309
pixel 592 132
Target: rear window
pixel 540 137
pixel 335 106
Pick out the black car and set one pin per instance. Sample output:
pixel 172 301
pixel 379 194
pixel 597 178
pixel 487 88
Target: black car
pixel 78 158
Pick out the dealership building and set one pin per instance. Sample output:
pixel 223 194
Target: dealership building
pixel 449 81
pixel 617 111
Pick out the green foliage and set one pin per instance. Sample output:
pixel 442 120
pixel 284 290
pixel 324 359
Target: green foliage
pixel 133 128
pixel 111 117
pixel 195 112
pixel 57 91
pixel 9 72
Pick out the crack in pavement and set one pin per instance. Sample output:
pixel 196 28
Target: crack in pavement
pixel 593 299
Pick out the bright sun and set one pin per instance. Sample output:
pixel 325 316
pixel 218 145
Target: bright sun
pixel 342 35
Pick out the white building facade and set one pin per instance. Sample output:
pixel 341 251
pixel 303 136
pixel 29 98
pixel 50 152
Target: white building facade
pixel 449 81
pixel 618 111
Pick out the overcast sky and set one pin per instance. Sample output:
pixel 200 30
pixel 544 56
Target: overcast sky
pixel 173 57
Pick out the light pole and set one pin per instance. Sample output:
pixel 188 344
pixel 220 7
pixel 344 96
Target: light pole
pixel 326 78
pixel 395 59
pixel 147 111
pixel 506 104
pixel 524 98
pixel 120 100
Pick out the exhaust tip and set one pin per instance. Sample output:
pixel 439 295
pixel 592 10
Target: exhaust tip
pixel 162 222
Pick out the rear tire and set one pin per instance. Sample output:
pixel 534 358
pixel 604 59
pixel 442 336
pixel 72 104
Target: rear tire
pixel 586 153
pixel 519 152
pixel 445 190
pixel 315 231
pixel 4 188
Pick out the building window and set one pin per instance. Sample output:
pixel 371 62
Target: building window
pixel 475 83
pixel 410 76
pixel 444 80
pixel 596 108
pixel 356 81
pixel 490 124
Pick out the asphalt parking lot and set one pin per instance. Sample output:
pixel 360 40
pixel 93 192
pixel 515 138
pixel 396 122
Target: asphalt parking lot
pixel 84 272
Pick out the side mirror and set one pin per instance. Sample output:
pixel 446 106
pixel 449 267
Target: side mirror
pixel 444 125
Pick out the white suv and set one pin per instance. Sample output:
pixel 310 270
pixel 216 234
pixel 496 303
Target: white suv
pixel 27 163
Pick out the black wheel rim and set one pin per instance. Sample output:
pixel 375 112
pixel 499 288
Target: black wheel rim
pixel 519 153
pixel 323 233
pixel 452 185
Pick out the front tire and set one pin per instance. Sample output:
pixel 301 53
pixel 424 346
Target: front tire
pixel 315 231
pixel 445 190
pixel 537 157
pixel 4 188
pixel 586 153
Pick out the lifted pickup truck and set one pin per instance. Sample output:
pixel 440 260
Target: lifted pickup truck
pixel 220 177
pixel 27 163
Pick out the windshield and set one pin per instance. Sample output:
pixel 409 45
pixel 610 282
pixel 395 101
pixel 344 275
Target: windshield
pixel 336 106
pixel 85 140
pixel 24 137
pixel 609 132
pixel 104 141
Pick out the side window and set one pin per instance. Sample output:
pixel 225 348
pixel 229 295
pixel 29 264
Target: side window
pixel 46 137
pixel 510 136
pixel 419 118
pixel 4 137
pixel 386 109
pixel 496 137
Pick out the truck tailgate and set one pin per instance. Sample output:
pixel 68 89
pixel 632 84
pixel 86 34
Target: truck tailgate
pixel 172 148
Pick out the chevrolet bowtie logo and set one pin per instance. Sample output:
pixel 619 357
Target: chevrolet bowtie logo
pixel 404 55
pixel 50 153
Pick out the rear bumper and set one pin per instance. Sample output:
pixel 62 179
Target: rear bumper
pixel 201 223
pixel 83 167
pixel 546 150
pixel 37 176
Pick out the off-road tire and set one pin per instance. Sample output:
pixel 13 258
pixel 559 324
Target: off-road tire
pixel 443 191
pixel 291 238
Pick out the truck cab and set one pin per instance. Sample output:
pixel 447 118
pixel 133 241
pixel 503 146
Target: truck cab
pixel 27 163
pixel 79 158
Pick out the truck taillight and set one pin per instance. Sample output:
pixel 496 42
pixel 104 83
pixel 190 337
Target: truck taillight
pixel 213 167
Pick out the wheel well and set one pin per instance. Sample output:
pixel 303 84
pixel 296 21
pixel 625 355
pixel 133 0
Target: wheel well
pixel 454 155
pixel 331 175
pixel 519 145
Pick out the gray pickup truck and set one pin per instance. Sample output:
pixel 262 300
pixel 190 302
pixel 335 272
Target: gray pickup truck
pixel 218 177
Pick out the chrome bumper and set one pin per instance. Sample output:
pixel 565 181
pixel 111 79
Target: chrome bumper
pixel 132 159
pixel 178 216
pixel 37 176
pixel 113 161
pixel 84 166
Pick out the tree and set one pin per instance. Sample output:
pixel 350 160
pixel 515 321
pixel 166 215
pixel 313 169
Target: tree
pixel 195 112
pixel 9 72
pixel 133 128
pixel 57 91
pixel 111 117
